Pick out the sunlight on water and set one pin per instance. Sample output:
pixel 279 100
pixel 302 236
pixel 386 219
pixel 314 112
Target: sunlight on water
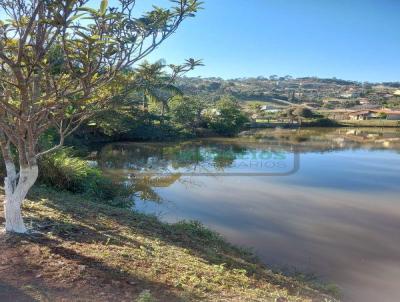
pixel 328 202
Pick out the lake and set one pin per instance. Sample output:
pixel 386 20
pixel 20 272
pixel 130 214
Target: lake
pixel 321 201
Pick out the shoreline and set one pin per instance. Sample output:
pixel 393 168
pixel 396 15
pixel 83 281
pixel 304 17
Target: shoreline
pixel 339 124
pixel 77 241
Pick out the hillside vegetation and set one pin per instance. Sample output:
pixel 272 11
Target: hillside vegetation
pixel 287 91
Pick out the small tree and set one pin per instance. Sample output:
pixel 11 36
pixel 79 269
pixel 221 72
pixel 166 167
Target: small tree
pixel 303 112
pixel 57 60
pixel 227 117
pixel 298 113
pixel 183 112
pixel 186 111
pixel 157 84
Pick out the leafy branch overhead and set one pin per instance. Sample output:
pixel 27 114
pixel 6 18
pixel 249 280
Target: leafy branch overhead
pixel 57 58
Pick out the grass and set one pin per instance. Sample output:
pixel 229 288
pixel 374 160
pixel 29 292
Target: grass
pixel 85 251
pixel 370 123
pixel 335 123
pixel 65 172
pixel 262 103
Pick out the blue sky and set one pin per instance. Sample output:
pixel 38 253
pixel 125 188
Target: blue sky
pixel 350 39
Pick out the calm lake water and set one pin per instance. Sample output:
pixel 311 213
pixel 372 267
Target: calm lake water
pixel 323 201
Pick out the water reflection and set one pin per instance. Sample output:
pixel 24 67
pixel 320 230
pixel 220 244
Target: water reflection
pixel 205 157
pixel 338 216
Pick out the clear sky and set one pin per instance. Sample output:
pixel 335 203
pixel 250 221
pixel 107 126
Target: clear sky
pixel 349 39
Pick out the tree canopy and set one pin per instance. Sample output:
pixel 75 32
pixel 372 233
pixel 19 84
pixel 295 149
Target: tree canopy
pixel 58 61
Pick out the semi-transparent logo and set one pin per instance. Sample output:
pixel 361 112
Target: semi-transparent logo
pixel 231 162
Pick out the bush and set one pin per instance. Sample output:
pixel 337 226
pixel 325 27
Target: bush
pixel 322 122
pixel 113 126
pixel 146 296
pixel 63 171
pixel 303 112
pixel 227 118
pixel 185 112
pixel 196 229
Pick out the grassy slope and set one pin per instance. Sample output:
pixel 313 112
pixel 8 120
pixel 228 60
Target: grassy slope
pixel 84 251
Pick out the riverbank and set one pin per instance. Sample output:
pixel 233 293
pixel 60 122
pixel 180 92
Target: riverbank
pixel 92 252
pixel 370 123
pixel 327 123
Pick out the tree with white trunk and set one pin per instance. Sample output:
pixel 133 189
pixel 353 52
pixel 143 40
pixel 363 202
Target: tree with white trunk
pixel 58 60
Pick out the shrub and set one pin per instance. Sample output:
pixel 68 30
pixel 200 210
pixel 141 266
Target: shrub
pixel 197 230
pixel 63 171
pixel 226 118
pixel 323 122
pixel 146 296
pixel 303 112
pixel 185 112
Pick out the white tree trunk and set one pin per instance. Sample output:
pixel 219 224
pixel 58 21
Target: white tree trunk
pixel 15 195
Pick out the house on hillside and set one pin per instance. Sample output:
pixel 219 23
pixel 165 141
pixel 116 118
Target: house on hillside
pixel 393 115
pixel 267 107
pixel 270 109
pixel 364 101
pixel 374 114
pixel 346 96
pixel 337 114
pixel 366 107
pixel 363 115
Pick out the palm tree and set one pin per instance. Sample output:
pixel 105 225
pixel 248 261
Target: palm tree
pixel 155 85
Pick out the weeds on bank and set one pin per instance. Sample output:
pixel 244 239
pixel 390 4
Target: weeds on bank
pixel 185 257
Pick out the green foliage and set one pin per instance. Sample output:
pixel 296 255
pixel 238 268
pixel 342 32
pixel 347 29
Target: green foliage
pixel 196 229
pixel 297 112
pixel 182 111
pixel 63 171
pixel 116 125
pixel 155 84
pixel 146 296
pixel 186 112
pixel 140 108
pixel 303 112
pixel 322 122
pixel 62 62
pixel 350 103
pixel 226 118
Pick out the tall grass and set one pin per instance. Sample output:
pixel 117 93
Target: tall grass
pixel 65 172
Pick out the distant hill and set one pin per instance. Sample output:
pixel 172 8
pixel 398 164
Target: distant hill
pixel 283 91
